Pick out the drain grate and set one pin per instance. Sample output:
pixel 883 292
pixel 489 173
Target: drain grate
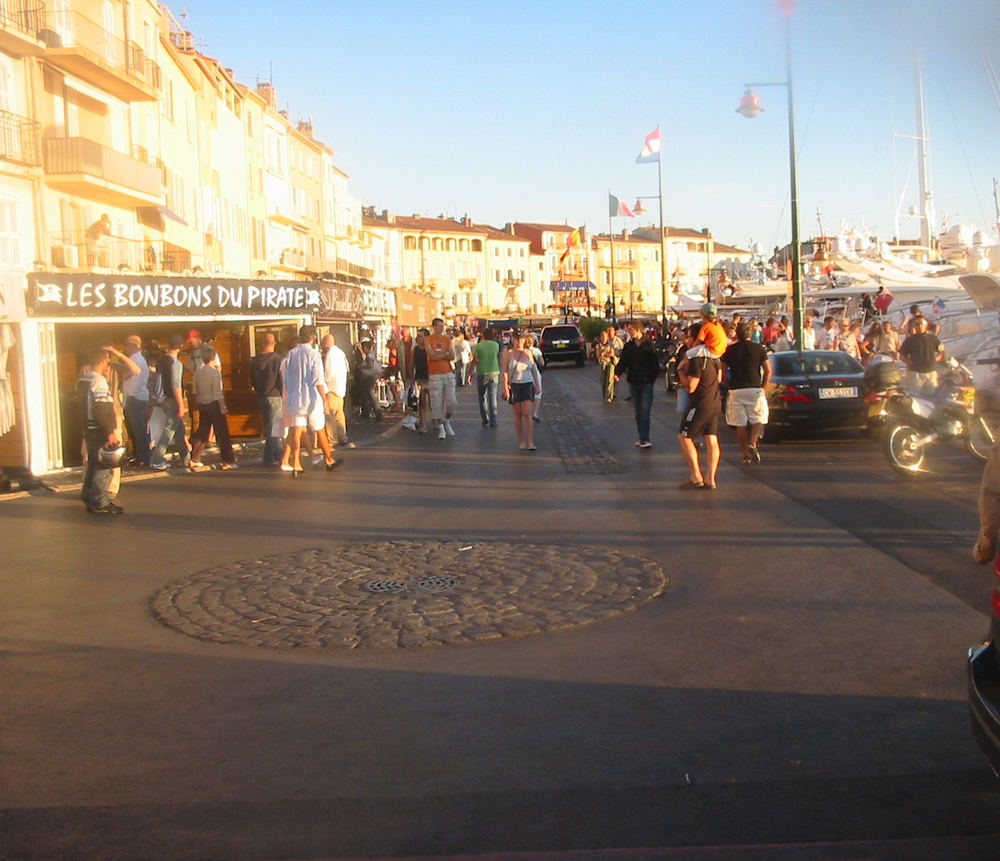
pixel 387 586
pixel 427 583
pixel 436 583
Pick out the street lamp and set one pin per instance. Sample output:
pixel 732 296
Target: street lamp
pixel 750 107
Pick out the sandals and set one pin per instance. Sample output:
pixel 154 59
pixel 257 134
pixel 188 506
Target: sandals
pixel 690 485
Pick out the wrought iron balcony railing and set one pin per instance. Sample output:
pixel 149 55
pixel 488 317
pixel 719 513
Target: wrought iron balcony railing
pixel 20 139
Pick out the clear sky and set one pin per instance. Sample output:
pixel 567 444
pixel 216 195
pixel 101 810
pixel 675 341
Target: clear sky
pixel 531 111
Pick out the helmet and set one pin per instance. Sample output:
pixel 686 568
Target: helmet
pixel 111 455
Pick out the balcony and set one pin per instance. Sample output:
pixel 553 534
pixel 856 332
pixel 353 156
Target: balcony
pixel 90 170
pixel 20 24
pixel 345 267
pixel 88 51
pixel 20 139
pixel 70 251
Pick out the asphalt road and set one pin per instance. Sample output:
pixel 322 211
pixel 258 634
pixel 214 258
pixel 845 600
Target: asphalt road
pixel 796 692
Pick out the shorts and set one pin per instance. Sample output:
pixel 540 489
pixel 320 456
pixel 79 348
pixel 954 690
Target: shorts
pixel 700 421
pixel 521 392
pixel 315 421
pixel 442 389
pixel 746 406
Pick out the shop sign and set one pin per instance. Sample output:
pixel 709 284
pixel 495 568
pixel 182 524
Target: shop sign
pixel 73 295
pixel 341 301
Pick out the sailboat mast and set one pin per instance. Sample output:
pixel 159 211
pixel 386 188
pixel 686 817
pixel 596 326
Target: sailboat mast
pixel 926 198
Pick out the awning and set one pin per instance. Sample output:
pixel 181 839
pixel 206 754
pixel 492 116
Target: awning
pixel 572 286
pixel 152 216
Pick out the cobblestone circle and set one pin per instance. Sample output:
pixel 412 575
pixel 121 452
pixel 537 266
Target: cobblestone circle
pixel 395 594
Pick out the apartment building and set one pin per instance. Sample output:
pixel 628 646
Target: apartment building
pixel 631 276
pixel 143 190
pixel 440 257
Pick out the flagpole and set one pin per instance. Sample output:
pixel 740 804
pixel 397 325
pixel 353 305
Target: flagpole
pixel 611 234
pixel 663 241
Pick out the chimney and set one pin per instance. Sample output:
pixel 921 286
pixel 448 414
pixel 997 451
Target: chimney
pixel 624 233
pixel 388 216
pixel 466 221
pixel 306 127
pixel 510 228
pixel 265 89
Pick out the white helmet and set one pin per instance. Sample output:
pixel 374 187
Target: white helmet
pixel 111 455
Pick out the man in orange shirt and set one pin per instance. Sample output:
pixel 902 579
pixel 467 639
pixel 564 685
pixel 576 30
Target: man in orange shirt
pixel 441 377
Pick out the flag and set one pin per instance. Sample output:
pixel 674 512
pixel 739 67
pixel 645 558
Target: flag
pixel 572 240
pixel 938 306
pixel 617 208
pixel 788 7
pixel 650 149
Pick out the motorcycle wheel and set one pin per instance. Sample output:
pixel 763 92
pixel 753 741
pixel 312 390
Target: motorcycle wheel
pixel 980 439
pixel 900 451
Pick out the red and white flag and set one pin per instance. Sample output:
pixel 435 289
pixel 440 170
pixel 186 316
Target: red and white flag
pixel 650 149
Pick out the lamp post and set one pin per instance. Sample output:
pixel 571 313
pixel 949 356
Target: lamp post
pixel 750 107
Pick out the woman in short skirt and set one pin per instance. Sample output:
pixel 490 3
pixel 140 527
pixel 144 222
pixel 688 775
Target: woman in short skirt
pixel 520 381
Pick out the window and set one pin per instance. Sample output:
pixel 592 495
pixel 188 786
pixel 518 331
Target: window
pixel 410 243
pixel 463 245
pixel 477 245
pixel 437 243
pixel 451 245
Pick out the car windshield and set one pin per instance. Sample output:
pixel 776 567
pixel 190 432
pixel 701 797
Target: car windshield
pixel 793 365
pixel 559 332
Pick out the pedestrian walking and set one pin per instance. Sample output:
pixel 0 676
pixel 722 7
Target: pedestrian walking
pixel 171 371
pixel 607 360
pixel 266 382
pixel 336 371
pixel 212 414
pixel 486 363
pixel 749 372
pixel 441 379
pixel 305 391
pixel 520 376
pixel 700 376
pixel 97 417
pixel 640 365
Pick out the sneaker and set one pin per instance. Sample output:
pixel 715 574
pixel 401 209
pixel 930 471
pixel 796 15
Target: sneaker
pixel 286 467
pixel 646 444
pixel 442 433
pixel 755 455
pixel 159 467
pixel 448 429
pixel 230 466
pixel 108 508
pixel 196 466
pixel 318 459
pixel 351 444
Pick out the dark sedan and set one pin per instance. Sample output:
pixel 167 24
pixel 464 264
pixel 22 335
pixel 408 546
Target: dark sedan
pixel 984 682
pixel 815 390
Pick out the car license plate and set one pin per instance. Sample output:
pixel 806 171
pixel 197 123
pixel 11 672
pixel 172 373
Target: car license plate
pixel 561 346
pixel 840 392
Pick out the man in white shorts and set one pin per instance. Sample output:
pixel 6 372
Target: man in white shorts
pixel 749 372
pixel 305 394
pixel 441 377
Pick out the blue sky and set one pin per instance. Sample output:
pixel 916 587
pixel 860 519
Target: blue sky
pixel 530 111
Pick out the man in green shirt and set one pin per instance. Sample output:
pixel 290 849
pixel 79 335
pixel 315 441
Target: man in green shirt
pixel 486 361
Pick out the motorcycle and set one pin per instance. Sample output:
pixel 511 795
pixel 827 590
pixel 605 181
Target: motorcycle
pixel 915 420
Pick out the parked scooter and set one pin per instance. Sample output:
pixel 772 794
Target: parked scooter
pixel 915 420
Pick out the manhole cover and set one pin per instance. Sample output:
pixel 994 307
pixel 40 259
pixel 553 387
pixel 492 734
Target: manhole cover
pixel 387 585
pixel 334 597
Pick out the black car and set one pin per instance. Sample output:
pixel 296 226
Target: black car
pixel 815 390
pixel 984 682
pixel 563 343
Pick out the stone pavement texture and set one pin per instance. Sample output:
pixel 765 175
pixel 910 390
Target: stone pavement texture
pixel 656 673
pixel 392 594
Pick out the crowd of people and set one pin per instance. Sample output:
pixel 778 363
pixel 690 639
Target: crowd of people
pixel 304 395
